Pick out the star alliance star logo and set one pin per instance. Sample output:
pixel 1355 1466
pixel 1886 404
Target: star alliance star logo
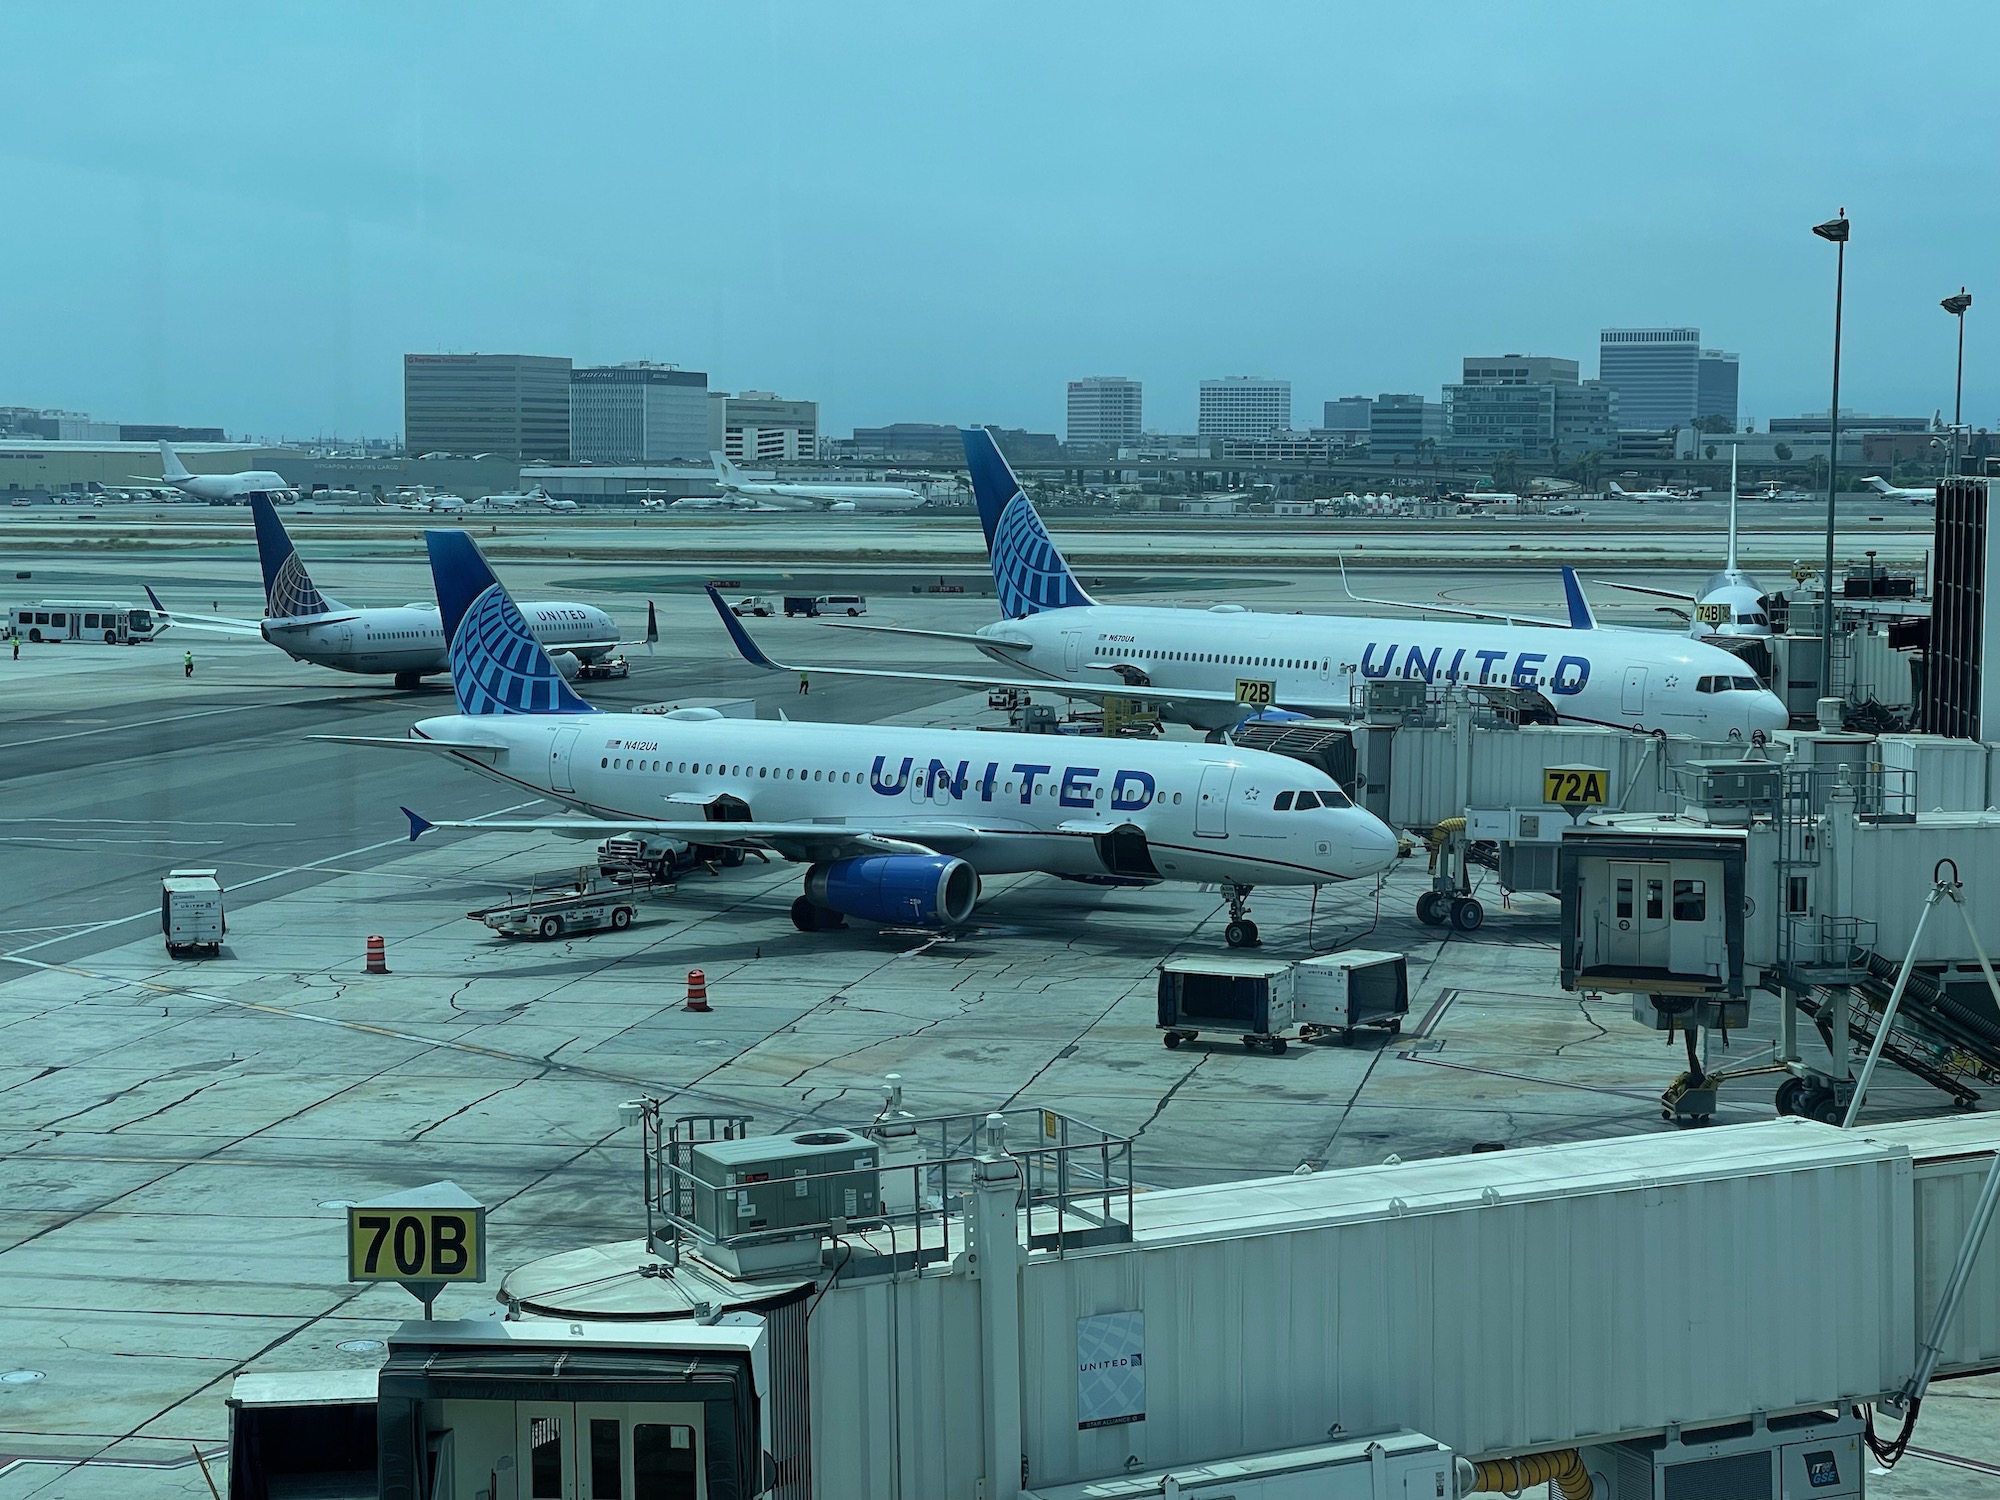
pixel 1673 682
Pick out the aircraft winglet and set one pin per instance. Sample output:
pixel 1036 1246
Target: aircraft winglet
pixel 652 627
pixel 749 649
pixel 1580 616
pixel 419 824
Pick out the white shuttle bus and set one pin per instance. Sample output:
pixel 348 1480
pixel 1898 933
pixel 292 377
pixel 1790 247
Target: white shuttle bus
pixel 115 624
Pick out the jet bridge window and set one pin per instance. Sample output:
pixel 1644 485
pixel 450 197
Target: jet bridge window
pixel 1624 900
pixel 1690 900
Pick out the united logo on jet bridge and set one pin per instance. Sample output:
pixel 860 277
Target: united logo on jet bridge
pixel 1568 676
pixel 1130 790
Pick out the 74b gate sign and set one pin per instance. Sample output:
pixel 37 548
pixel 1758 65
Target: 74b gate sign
pixel 428 1234
pixel 1575 786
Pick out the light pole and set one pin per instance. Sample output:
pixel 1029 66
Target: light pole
pixel 1956 306
pixel 1834 229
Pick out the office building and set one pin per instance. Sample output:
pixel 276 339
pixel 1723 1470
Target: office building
pixel 59 426
pixel 1104 411
pixel 1505 404
pixel 507 405
pixel 1349 414
pixel 637 413
pixel 1397 423
pixel 1850 421
pixel 1244 406
pixel 759 427
pixel 1586 419
pixel 1715 386
pixel 1656 371
pixel 1529 405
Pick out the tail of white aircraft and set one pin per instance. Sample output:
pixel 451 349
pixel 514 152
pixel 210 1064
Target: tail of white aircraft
pixel 171 466
pixel 726 473
pixel 1614 488
pixel 1878 484
pixel 1730 566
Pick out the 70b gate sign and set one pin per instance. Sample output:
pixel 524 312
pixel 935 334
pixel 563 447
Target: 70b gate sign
pixel 435 1233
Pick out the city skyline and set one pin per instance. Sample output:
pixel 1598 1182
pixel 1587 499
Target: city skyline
pixel 393 199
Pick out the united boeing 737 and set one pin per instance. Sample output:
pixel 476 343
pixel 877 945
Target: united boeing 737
pixel 406 640
pixel 1210 668
pixel 894 824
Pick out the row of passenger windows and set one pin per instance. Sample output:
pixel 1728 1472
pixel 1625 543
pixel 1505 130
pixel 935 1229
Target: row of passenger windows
pixel 1047 788
pixel 1218 658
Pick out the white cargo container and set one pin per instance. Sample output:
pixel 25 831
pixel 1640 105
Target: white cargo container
pixel 1265 1001
pixel 191 914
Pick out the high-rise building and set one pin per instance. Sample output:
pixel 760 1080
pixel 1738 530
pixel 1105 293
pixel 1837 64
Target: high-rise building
pixel 1104 411
pixel 507 405
pixel 1505 404
pixel 1656 372
pixel 1244 406
pixel 1715 386
pixel 758 427
pixel 1398 422
pixel 637 413
pixel 1348 414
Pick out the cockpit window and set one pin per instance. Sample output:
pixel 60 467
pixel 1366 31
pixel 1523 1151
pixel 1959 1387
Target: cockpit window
pixel 1307 801
pixel 1752 619
pixel 1283 802
pixel 1745 684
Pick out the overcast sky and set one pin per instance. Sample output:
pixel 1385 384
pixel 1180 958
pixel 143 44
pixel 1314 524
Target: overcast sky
pixel 245 215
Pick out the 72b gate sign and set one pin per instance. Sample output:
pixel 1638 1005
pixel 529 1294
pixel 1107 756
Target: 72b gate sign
pixel 434 1233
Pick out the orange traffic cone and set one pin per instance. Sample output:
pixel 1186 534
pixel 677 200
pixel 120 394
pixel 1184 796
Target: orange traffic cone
pixel 697 991
pixel 378 956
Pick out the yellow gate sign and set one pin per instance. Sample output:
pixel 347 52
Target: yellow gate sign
pixel 428 1234
pixel 1574 786
pixel 1256 693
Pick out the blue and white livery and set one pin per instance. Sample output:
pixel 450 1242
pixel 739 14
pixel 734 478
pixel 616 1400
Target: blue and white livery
pixel 894 824
pixel 406 641
pixel 1203 667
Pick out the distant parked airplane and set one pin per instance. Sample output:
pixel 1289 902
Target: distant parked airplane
pixel 217 488
pixel 739 492
pixel 1927 495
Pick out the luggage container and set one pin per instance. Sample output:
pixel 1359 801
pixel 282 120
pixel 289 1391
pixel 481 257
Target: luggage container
pixel 1267 1002
pixel 191 913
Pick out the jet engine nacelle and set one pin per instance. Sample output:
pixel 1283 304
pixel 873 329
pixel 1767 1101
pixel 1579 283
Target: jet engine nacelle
pixel 566 663
pixel 908 890
pixel 844 505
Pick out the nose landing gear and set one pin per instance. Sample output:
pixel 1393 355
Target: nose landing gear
pixel 1241 931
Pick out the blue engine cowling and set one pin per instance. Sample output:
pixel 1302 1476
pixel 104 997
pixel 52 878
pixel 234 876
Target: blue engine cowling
pixel 907 890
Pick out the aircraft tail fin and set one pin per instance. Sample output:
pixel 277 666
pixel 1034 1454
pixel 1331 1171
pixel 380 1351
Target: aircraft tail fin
pixel 652 627
pixel 725 471
pixel 289 593
pixel 1580 615
pixel 1730 565
pixel 1029 574
pixel 497 665
pixel 1878 484
pixel 171 467
pixel 1615 488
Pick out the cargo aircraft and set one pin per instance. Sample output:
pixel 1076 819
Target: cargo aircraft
pixel 407 641
pixel 895 825
pixel 1212 668
pixel 218 489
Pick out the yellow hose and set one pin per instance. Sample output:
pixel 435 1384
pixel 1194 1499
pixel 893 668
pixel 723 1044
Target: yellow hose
pixel 1512 1475
pixel 1439 835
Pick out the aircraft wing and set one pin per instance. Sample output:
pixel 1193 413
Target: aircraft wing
pixel 391 742
pixel 220 624
pixel 1579 610
pixel 801 842
pixel 1057 686
pixel 1639 588
pixel 965 637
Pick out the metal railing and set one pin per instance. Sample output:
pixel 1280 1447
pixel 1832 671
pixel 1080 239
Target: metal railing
pixel 1825 949
pixel 1075 1188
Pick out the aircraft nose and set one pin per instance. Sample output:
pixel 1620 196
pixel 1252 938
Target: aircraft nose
pixel 1768 714
pixel 1371 845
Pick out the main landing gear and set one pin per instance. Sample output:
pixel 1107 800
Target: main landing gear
pixel 409 681
pixel 1442 908
pixel 1241 931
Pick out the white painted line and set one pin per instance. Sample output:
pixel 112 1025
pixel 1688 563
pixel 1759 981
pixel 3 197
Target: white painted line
pixel 84 734
pixel 153 912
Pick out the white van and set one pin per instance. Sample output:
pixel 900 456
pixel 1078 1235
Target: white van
pixel 842 604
